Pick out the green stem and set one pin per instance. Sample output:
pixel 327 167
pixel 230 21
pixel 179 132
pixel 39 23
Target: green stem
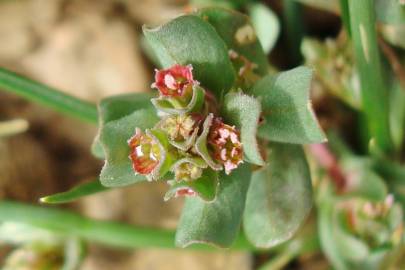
pixel 304 243
pixel 373 90
pixel 294 28
pixel 104 232
pixel 279 261
pixel 54 99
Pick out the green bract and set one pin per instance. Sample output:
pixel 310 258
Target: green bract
pixel 171 106
pixel 199 132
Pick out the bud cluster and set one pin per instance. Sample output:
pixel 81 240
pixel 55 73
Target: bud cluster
pixel 378 223
pixel 189 140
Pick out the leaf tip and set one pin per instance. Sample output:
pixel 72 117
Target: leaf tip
pixel 44 199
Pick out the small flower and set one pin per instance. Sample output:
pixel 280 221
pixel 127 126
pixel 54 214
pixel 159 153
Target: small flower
pixel 180 127
pixel 145 152
pixel 225 143
pixel 173 81
pixel 187 171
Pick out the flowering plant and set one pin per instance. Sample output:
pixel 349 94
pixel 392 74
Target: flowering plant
pixel 207 132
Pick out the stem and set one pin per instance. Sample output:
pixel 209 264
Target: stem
pixel 294 28
pixel 279 261
pixel 305 242
pixel 104 232
pixel 54 99
pixel 373 93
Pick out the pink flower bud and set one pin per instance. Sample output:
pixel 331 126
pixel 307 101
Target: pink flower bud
pixel 185 192
pixel 145 152
pixel 173 81
pixel 225 143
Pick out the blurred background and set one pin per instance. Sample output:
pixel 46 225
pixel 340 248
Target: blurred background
pixel 93 49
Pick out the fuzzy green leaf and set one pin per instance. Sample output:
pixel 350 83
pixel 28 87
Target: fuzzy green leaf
pixel 119 116
pixel 75 193
pixel 238 33
pixel 390 11
pixel 114 108
pixel 266 23
pixel 279 197
pixel 326 224
pixel 216 223
pixel 205 186
pixel 286 107
pixel 190 40
pixel 244 112
pixel 364 182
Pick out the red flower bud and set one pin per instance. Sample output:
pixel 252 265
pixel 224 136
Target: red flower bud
pixel 185 192
pixel 173 81
pixel 145 152
pixel 225 143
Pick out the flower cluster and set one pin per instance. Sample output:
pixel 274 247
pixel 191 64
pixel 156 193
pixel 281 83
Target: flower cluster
pixel 189 141
pixel 379 223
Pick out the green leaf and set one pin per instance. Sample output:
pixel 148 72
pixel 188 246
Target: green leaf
pixel 244 112
pixel 279 197
pixel 118 117
pixel 216 223
pixel 238 33
pixel 266 24
pixel 390 11
pixel 205 186
pixel 287 111
pixel 190 40
pixel 364 182
pixel 170 106
pixel 394 175
pixel 397 114
pixel 349 247
pixel 326 225
pixel 394 34
pixel 374 92
pixel 114 108
pixel 47 96
pixel 75 193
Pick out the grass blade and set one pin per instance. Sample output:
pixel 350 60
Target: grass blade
pixel 344 10
pixel 47 96
pixel 103 232
pixel 294 26
pixel 75 193
pixel 373 89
